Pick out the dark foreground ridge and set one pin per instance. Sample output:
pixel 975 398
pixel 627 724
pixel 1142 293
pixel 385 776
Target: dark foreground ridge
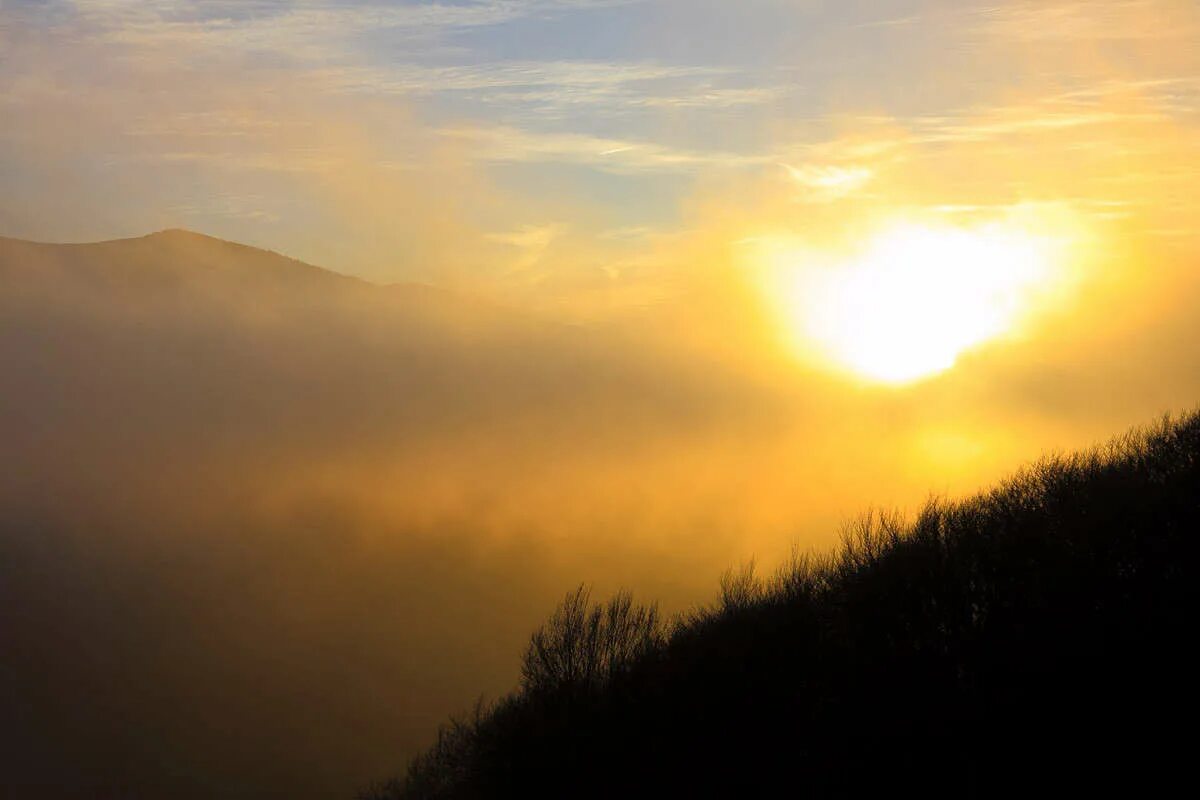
pixel 1031 641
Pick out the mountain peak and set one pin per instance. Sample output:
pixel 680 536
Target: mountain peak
pixel 170 257
pixel 179 233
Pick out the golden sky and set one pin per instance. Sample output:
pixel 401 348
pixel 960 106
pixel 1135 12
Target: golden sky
pixel 547 145
pixel 964 226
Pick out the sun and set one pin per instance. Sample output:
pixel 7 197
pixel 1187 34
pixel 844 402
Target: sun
pixel 916 297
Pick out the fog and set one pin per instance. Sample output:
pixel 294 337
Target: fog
pixel 263 525
pixel 266 526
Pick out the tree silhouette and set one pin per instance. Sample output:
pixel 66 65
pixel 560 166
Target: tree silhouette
pixel 1032 640
pixel 586 644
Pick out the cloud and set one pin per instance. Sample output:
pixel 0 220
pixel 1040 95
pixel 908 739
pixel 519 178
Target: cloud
pixel 528 237
pixel 1091 21
pixel 266 23
pixel 826 182
pixel 540 90
pixel 607 76
pixel 531 241
pixel 245 206
pixel 509 144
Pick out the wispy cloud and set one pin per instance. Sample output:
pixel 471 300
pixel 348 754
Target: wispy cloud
pixel 1098 107
pixel 263 21
pixel 890 22
pixel 530 242
pixel 271 32
pixel 234 206
pixel 555 87
pixel 1093 20
pixel 825 182
pixel 508 144
pixel 166 67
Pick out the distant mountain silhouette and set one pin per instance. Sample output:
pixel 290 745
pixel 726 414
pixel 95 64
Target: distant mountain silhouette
pixel 193 266
pixel 1033 641
pixel 164 259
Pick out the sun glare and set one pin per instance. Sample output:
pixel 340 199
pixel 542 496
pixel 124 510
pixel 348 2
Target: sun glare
pixel 915 298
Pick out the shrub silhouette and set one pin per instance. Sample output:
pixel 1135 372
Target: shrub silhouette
pixel 588 645
pixel 1032 640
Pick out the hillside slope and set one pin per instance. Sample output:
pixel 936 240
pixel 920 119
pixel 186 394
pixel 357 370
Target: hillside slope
pixel 1030 641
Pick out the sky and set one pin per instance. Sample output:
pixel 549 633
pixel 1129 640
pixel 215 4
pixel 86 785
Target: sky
pixel 558 150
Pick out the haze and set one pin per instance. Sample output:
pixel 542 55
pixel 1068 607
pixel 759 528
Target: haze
pixel 599 291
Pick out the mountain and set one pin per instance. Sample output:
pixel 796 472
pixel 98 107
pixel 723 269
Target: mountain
pixel 1033 640
pixel 172 257
pixel 189 269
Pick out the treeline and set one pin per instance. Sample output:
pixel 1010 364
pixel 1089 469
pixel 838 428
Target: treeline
pixel 1033 640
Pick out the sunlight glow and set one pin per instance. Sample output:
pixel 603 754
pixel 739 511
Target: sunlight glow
pixel 916 297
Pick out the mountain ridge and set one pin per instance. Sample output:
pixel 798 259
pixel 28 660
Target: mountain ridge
pixel 186 262
pixel 157 250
